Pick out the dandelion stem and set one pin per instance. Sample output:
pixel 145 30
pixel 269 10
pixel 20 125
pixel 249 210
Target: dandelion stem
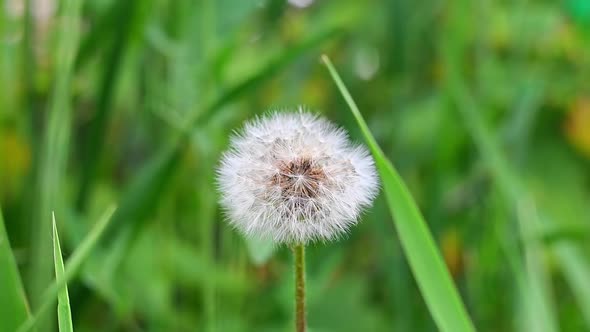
pixel 299 252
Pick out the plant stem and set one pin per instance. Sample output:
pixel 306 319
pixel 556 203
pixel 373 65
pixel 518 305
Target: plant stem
pixel 299 252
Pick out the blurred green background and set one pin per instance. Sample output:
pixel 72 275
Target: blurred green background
pixel 131 103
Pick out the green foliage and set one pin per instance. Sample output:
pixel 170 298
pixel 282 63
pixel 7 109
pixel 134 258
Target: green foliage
pixel 539 309
pixel 54 147
pixel 13 303
pixel 56 289
pixel 481 105
pixel 424 258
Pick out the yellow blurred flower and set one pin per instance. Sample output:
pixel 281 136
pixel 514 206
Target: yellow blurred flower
pixel 314 92
pixel 577 125
pixel 16 161
pixel 452 250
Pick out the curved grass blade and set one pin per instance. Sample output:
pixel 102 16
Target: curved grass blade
pixel 425 260
pixel 64 314
pixel 14 308
pixel 71 269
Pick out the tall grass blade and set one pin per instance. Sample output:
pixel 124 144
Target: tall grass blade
pixel 64 314
pixel 29 67
pixel 133 14
pixel 71 269
pixel 425 260
pixel 14 309
pixel 54 151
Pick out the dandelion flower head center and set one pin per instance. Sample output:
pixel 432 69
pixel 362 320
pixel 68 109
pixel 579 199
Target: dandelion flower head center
pixel 295 178
pixel 299 178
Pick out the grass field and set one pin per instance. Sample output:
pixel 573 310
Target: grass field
pixel 114 115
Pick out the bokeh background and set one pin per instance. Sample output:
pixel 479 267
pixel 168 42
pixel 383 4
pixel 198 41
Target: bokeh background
pixel 156 87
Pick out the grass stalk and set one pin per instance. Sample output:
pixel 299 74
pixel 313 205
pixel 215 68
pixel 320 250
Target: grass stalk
pixel 95 142
pixel 55 149
pixel 300 319
pixel 64 312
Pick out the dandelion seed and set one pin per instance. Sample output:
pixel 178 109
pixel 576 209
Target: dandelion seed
pixel 295 178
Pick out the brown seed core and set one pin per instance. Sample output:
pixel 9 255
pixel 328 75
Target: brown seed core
pixel 299 178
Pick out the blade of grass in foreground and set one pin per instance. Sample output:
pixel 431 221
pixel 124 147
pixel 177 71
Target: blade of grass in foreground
pixel 64 314
pixel 13 303
pixel 54 150
pixel 71 268
pixel 428 268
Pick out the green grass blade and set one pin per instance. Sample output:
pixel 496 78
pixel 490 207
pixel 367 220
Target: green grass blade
pixel 64 314
pixel 71 269
pixel 14 309
pixel 576 271
pixel 133 16
pixel 55 147
pixel 29 69
pixel 537 290
pixel 425 260
pixel 102 32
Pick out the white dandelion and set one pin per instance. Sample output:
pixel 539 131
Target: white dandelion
pixel 295 178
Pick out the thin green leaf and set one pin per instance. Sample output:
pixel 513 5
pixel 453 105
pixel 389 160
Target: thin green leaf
pixel 425 260
pixel 537 289
pixel 13 302
pixel 576 271
pixel 55 147
pixel 559 233
pixel 29 69
pixel 71 269
pixel 132 16
pixel 64 314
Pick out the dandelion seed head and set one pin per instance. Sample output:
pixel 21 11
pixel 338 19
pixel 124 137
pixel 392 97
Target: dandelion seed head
pixel 294 177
